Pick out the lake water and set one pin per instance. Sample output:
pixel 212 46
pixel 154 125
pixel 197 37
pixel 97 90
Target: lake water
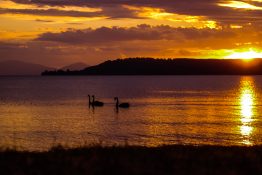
pixel 39 112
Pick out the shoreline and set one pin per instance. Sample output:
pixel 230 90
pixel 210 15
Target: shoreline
pixel 170 159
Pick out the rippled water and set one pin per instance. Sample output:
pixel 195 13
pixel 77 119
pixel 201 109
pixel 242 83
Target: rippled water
pixel 39 112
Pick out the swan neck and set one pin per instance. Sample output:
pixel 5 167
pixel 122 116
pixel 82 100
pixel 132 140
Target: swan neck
pixel 117 102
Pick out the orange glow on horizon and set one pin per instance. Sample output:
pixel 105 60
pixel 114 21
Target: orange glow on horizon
pixel 246 55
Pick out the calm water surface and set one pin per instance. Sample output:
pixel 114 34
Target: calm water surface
pixel 39 112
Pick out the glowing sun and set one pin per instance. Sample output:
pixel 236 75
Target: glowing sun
pixel 250 54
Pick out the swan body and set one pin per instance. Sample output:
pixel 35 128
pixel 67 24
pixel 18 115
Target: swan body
pixel 97 103
pixel 94 102
pixel 121 105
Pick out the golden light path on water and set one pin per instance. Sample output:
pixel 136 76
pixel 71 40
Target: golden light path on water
pixel 247 102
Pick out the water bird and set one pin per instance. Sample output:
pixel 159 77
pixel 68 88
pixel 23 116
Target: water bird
pixel 89 101
pixel 121 105
pixel 96 103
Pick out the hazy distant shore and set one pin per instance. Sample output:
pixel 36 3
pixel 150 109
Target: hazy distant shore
pixel 177 159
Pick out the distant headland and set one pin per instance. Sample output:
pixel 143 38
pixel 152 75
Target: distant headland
pixel 151 66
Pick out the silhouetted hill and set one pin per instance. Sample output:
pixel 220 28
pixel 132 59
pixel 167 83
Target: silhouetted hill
pixel 75 66
pixel 14 67
pixel 150 66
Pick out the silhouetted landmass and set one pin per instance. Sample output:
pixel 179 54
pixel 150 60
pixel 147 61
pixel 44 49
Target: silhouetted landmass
pixel 75 66
pixel 215 160
pixel 150 66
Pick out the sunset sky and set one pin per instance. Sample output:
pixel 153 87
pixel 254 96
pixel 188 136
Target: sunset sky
pixel 60 32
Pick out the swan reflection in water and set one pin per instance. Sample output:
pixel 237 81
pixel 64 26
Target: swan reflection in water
pixel 247 102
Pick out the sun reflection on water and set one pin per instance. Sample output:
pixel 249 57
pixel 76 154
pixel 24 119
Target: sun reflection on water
pixel 247 102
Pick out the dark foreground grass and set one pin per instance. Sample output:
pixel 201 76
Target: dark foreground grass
pixel 135 160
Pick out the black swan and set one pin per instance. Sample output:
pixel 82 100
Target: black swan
pixel 96 103
pixel 121 105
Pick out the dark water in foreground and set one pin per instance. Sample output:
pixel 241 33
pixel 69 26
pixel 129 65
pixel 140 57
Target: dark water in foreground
pixel 38 112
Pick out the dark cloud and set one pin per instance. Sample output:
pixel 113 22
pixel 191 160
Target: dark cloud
pixel 207 8
pixel 111 11
pixel 105 34
pixel 102 3
pixel 141 32
pixel 50 12
pixel 40 20
pixel 118 11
